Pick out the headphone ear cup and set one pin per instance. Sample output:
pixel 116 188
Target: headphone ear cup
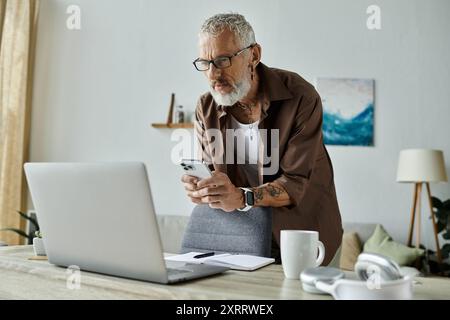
pixel 361 268
pixel 369 264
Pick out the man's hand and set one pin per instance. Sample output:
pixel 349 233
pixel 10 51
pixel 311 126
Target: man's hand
pixel 217 191
pixel 190 185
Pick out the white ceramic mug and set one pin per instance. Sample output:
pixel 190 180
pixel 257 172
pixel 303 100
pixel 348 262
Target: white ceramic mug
pixel 299 251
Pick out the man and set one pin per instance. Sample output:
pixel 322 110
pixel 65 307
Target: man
pixel 246 95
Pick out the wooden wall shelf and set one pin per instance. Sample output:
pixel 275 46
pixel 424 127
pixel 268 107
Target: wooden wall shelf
pixel 169 124
pixel 172 125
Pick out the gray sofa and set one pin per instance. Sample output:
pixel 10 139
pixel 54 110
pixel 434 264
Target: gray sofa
pixel 171 229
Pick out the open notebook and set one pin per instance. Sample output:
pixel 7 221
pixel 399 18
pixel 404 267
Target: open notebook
pixel 233 261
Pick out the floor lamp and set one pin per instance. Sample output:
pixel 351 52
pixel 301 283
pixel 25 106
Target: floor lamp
pixel 421 166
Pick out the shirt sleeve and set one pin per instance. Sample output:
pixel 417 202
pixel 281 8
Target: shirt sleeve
pixel 302 150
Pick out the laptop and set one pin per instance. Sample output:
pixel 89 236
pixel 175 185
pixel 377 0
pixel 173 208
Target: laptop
pixel 100 217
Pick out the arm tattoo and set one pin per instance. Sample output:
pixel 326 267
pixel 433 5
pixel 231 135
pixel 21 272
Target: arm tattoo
pixel 271 194
pixel 268 192
pixel 258 193
pixel 274 191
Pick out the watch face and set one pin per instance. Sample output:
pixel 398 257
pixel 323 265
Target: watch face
pixel 250 199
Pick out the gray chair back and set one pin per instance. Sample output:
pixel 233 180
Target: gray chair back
pixel 229 232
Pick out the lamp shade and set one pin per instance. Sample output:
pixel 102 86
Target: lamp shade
pixel 421 165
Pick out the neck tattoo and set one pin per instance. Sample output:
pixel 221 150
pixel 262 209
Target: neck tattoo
pixel 248 107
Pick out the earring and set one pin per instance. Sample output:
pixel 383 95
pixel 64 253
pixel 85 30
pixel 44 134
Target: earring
pixel 252 71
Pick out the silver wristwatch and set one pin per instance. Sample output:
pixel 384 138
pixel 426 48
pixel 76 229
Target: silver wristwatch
pixel 249 199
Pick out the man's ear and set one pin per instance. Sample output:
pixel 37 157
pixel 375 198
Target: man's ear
pixel 256 54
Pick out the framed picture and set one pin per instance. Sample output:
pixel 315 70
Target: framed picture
pixel 348 109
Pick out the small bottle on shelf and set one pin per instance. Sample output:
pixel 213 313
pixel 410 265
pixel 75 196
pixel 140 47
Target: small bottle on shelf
pixel 179 114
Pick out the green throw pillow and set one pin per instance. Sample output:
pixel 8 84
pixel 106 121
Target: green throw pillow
pixel 381 242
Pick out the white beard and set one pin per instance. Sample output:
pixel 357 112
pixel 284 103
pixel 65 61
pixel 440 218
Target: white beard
pixel 240 90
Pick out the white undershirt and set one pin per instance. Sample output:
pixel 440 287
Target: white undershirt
pixel 250 134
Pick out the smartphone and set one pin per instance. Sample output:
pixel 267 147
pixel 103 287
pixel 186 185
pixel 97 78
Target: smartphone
pixel 196 168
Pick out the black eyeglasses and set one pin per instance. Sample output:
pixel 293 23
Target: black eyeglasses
pixel 221 62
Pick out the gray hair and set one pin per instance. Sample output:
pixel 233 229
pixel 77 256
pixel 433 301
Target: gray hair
pixel 235 22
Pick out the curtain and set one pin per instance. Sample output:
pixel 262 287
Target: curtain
pixel 18 20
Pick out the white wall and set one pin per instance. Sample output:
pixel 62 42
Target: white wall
pixel 98 89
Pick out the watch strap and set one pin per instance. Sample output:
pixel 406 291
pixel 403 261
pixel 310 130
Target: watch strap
pixel 247 206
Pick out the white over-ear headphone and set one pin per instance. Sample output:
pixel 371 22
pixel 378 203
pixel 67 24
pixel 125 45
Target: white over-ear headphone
pixel 379 278
pixel 369 263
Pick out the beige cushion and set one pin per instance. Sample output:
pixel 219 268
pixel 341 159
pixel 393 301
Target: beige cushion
pixel 351 248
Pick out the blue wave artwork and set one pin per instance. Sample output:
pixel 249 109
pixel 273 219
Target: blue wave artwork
pixel 356 131
pixel 348 111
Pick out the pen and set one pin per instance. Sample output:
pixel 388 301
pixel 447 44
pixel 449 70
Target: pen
pixel 204 255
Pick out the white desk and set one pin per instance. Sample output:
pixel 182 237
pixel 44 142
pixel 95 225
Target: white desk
pixel 22 278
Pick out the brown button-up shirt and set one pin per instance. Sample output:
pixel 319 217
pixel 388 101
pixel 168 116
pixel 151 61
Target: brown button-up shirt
pixel 293 106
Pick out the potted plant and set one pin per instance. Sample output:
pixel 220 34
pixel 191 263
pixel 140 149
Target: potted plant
pixel 441 211
pixel 38 244
pixel 29 236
